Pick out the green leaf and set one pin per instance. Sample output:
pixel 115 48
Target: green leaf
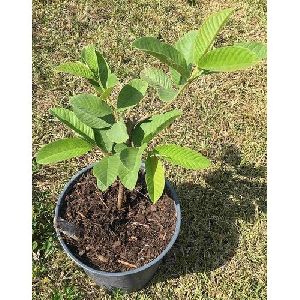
pixel 92 111
pixel 155 178
pixel 185 45
pixel 97 63
pixel 75 68
pixel 228 59
pixel 128 157
pixel 161 82
pixel 62 149
pixel 89 57
pixel 177 78
pixel 119 147
pixel 260 49
pixel 118 132
pixel 104 70
pixel 144 131
pixel 131 159
pixel 131 94
pixel 164 52
pixel 182 156
pixel 69 118
pixel 112 81
pixel 106 171
pixel 97 86
pixel 208 32
pixel 102 140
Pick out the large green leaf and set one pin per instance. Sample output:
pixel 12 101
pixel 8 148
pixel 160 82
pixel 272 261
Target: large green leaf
pixel 118 132
pixel 75 68
pixel 164 52
pixel 228 59
pixel 182 156
pixel 92 111
pixel 102 140
pixel 144 131
pixel 70 119
pixel 161 82
pixel 131 159
pixel 155 178
pixel 260 49
pixel 131 94
pixel 106 171
pixel 208 32
pixel 62 149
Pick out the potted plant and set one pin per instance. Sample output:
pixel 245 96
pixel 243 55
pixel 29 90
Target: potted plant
pixel 118 217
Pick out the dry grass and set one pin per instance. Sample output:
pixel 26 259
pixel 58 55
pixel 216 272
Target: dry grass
pixel 221 252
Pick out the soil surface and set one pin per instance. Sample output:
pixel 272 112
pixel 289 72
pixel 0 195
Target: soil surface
pixel 112 240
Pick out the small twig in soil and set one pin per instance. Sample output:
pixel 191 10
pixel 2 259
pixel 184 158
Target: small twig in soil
pixel 81 215
pixel 102 258
pixel 127 264
pixel 140 224
pixel 146 245
pixel 164 236
pixel 103 202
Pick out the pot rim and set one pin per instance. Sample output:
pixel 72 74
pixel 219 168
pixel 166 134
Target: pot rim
pixel 61 198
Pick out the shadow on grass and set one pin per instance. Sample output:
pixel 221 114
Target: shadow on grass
pixel 209 232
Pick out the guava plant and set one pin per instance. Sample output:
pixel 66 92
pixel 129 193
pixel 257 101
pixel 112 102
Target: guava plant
pixel 99 122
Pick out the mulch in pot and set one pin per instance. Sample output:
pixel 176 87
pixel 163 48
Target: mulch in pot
pixel 112 240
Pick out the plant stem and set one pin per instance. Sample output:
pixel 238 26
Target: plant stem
pixel 120 196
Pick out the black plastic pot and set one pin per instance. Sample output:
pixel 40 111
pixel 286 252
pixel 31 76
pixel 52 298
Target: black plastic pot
pixel 128 281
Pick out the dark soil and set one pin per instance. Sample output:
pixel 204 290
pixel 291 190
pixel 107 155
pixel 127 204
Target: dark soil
pixel 112 240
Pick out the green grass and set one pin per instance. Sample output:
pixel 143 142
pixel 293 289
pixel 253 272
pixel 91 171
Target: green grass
pixel 221 251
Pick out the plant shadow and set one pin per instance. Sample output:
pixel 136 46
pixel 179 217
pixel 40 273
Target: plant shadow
pixel 209 233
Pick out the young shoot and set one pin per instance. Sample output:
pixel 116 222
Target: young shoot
pixel 124 142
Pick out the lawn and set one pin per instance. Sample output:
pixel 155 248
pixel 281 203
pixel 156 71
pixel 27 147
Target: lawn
pixel 221 250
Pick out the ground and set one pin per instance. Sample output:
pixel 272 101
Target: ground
pixel 221 250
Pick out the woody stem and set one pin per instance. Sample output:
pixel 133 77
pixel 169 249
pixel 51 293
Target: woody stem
pixel 120 196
